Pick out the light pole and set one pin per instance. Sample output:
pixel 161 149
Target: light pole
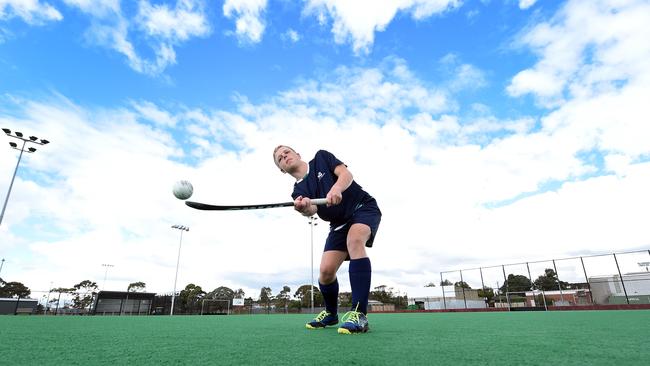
pixel 2 265
pixel 312 222
pixel 32 140
pixel 641 264
pixel 47 302
pixel 106 273
pixel 178 259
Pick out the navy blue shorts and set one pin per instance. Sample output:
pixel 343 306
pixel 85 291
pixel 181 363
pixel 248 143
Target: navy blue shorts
pixel 368 214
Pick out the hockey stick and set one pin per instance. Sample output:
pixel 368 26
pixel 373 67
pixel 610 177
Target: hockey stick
pixel 207 207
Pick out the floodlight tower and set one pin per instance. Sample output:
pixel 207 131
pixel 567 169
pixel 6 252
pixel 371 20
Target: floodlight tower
pixel 106 273
pixel 312 222
pixel 31 140
pixel 178 259
pixel 645 264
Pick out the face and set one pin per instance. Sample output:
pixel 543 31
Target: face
pixel 286 158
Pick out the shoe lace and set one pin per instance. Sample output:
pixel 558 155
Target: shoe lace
pixel 321 316
pixel 352 315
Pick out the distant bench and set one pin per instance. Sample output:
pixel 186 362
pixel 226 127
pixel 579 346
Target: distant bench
pixel 23 311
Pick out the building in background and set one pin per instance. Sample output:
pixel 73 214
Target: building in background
pixel 123 303
pixel 609 289
pixel 17 306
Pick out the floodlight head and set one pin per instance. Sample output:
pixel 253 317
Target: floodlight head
pixel 33 138
pixel 31 149
pixel 44 142
pixel 6 130
pixel 13 144
pixel 19 134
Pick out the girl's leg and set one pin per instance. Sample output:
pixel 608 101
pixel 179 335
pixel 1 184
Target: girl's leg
pixel 360 269
pixel 327 282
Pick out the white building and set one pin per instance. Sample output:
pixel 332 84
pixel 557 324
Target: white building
pixel 604 288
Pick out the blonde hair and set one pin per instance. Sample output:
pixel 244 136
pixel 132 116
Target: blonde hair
pixel 276 150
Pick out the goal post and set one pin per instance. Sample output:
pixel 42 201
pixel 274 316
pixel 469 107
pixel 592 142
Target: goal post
pixel 215 307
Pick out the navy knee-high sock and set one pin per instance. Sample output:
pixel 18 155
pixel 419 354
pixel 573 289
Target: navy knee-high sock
pixel 330 295
pixel 360 273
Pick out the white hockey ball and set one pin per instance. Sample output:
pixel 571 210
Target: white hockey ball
pixel 183 189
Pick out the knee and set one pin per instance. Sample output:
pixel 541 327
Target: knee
pixel 327 274
pixel 356 242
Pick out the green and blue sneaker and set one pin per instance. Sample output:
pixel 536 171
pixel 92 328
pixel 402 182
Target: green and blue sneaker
pixel 323 319
pixel 354 322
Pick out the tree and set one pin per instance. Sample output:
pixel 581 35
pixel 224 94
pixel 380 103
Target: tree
pixel 487 293
pixel 549 281
pixel 345 299
pixel 190 296
pixel 430 284
pixel 516 283
pixel 60 290
pixel 83 294
pixel 462 284
pixel 14 289
pixel 239 294
pixel 445 283
pixel 303 294
pixel 221 292
pixel 282 298
pixel 265 296
pixel 381 294
pixel 136 286
pixel 248 301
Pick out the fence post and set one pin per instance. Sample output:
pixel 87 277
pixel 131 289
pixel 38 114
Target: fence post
pixel 591 297
pixel 559 286
pixel 480 269
pixel 532 285
pixel 16 308
pixel 442 287
pixel 462 288
pixel 621 277
pixel 505 282
pixel 58 301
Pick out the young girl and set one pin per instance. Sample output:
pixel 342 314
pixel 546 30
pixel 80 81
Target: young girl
pixel 354 219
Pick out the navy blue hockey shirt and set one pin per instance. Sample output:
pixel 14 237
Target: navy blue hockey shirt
pixel 318 183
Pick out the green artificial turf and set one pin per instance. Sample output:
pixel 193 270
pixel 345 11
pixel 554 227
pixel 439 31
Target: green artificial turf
pixel 504 338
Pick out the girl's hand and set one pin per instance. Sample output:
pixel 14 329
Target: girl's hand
pixel 334 196
pixel 302 204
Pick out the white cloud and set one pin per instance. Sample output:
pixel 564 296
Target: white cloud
pixel 186 20
pixel 291 35
pixel 97 8
pixel 33 12
pixel 162 29
pixel 356 22
pixel 585 48
pixel 463 76
pixel 151 112
pixel 525 4
pixel 249 24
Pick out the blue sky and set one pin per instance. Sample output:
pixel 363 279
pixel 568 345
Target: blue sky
pixel 214 65
pixel 478 125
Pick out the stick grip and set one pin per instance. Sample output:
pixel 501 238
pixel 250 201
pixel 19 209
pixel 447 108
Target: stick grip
pixel 319 201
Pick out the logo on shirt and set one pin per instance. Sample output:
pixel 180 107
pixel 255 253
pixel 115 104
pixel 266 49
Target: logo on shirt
pixel 320 175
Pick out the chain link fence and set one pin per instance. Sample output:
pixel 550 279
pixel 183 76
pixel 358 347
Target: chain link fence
pixel 603 279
